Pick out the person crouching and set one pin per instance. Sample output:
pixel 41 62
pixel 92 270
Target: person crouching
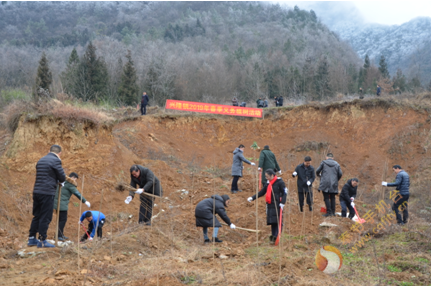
pixel 205 215
pixel 96 220
pixel 347 196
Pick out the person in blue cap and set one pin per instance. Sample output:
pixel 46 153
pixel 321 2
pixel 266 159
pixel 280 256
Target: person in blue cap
pixel 96 220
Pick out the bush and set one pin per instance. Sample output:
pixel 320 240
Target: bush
pixel 7 96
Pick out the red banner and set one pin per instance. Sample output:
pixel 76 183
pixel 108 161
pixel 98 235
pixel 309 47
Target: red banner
pixel 213 108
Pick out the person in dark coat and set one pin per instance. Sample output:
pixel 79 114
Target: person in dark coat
pixel 148 183
pixel 276 100
pixel 144 102
pixel 275 192
pixel 237 167
pixel 49 173
pixel 306 177
pixel 361 93
pixel 259 103
pixel 205 215
pixel 67 191
pixel 234 101
pixel 402 184
pixel 330 173
pixel 378 91
pixel 347 196
pixel 267 161
pixel 96 220
pixel 280 100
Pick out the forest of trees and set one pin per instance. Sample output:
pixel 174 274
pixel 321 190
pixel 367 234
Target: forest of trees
pixel 200 51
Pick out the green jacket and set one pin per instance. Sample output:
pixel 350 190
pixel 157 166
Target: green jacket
pixel 267 161
pixel 66 193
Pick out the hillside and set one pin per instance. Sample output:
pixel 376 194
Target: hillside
pixel 201 51
pixel 192 157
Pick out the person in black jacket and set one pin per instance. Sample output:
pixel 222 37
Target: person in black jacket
pixel 306 177
pixel 148 183
pixel 144 102
pixel 205 215
pixel 347 196
pixel 276 192
pixel 49 173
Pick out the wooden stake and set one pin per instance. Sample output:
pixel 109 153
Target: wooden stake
pixel 80 208
pixel 241 228
pixel 58 214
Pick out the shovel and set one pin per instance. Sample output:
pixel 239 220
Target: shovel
pixel 88 236
pixel 360 220
pixel 279 228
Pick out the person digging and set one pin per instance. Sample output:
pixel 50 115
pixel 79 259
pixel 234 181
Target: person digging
pixel 275 192
pixel 347 196
pixel 205 215
pixel 148 183
pixel 67 191
pixel 96 220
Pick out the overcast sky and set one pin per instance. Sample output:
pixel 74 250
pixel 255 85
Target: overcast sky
pixel 383 12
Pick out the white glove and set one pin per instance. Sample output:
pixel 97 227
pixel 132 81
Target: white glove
pixel 259 169
pixel 352 199
pixel 139 191
pixel 352 204
pixel 128 199
pixel 385 184
pixel 250 199
pixel 62 184
pixel 253 164
pixel 279 172
pixel 308 183
pixel 281 206
pixel 88 204
pixel 232 226
pixel 80 222
pixel 90 238
pixel 294 174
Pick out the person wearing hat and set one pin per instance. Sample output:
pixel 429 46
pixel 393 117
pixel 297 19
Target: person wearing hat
pixel 275 192
pixel 96 220
pixel 267 161
pixel 205 215
pixel 67 191
pixel 148 183
pixel 237 167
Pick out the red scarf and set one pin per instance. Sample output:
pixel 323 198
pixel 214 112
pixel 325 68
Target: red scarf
pixel 269 190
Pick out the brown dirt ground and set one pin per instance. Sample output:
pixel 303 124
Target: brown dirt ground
pixel 195 153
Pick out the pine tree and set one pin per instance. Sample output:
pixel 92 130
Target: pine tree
pixel 69 78
pixel 44 76
pixel 399 81
pixel 73 58
pixel 321 80
pixel 128 90
pixel 366 62
pixel 43 80
pixel 94 75
pixel 383 67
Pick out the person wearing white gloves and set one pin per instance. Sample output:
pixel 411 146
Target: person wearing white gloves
pixel 147 183
pixel 347 196
pixel 237 167
pixel 306 177
pixel 267 161
pixel 402 184
pixel 275 193
pixel 205 215
pixel 69 189
pixel 96 220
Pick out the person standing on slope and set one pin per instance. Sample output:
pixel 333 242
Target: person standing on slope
pixel 49 173
pixel 267 161
pixel 66 192
pixel 144 102
pixel 148 183
pixel 402 184
pixel 205 215
pixel 330 173
pixel 306 177
pixel 237 167
pixel 275 192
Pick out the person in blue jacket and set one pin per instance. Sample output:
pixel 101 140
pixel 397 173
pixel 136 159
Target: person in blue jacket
pixel 96 220
pixel 402 184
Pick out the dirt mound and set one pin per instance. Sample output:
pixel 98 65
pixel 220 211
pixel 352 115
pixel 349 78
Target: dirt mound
pixel 192 156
